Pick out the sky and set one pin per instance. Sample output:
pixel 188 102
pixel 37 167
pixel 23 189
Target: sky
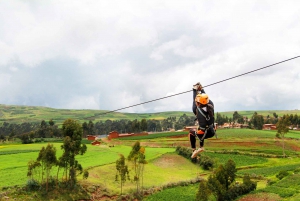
pixel 107 55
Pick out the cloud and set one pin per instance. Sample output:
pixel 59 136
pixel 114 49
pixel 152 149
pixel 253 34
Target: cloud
pixel 96 55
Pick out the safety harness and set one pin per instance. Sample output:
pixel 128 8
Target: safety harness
pixel 207 126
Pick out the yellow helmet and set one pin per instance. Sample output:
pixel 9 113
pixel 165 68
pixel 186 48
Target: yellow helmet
pixel 202 99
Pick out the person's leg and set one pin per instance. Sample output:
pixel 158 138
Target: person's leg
pixel 197 151
pixel 192 140
pixel 201 143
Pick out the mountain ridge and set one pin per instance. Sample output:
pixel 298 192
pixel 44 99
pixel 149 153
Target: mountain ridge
pixel 19 114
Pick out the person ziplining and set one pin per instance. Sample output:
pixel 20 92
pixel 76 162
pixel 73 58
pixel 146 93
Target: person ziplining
pixel 274 64
pixel 203 108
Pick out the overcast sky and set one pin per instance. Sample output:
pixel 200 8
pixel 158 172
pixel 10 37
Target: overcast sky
pixel 112 54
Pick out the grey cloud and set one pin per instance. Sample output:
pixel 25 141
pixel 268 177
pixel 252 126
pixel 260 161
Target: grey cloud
pixel 98 56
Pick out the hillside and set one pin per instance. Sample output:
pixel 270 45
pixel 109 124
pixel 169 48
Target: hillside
pixel 19 114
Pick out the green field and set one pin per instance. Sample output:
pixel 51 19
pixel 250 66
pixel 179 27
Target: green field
pixel 257 153
pixel 20 114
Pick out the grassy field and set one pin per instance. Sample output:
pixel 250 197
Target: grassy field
pixel 19 114
pixel 257 153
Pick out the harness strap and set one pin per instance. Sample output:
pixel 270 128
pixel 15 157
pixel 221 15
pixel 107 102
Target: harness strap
pixel 207 119
pixel 203 137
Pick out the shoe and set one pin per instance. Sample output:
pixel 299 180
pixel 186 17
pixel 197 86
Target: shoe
pixel 196 152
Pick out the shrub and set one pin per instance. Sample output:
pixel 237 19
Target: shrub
pixel 85 174
pixel 282 174
pixel 32 184
pixel 206 162
pixel 184 151
pixel 296 171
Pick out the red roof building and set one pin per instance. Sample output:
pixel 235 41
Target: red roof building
pixel 269 127
pixel 91 137
pixel 96 142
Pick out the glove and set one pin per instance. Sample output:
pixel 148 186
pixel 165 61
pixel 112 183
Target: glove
pixel 197 86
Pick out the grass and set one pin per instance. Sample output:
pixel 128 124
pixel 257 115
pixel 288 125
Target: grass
pixel 19 114
pixel 240 160
pixel 270 171
pixel 153 136
pixel 187 193
pixel 165 167
pixel 14 159
pixel 154 174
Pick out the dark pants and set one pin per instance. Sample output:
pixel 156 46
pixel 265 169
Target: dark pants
pixel 193 137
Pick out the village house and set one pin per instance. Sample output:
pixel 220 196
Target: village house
pixel 269 127
pixel 96 142
pixel 91 137
pixel 115 134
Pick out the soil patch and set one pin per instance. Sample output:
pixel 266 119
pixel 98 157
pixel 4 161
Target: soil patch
pixel 244 144
pixel 261 197
pixel 169 160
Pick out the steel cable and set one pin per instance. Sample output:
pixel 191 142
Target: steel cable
pixel 203 86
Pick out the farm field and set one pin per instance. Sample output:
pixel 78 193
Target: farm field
pixel 18 114
pixel 257 153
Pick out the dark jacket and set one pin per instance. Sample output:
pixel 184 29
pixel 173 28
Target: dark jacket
pixel 205 120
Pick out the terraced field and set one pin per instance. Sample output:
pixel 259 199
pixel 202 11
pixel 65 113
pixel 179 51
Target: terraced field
pixel 257 153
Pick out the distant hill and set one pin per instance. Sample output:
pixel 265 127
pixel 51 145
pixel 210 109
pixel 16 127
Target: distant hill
pixel 19 114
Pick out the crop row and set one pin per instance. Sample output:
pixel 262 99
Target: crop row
pixel 287 187
pixel 16 152
pixel 269 171
pixel 154 136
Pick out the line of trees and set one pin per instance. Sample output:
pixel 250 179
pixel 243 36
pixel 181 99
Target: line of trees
pixel 28 131
pixel 133 126
pixel 39 170
pixel 256 121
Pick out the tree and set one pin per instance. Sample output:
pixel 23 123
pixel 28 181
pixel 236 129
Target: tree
pixel 230 173
pixel 72 146
pixel 2 137
pixel 222 184
pixel 42 131
pixel 257 121
pixel 85 129
pixel 295 120
pixel 144 125
pixel 203 191
pixel 137 157
pixel 235 115
pixel 32 165
pixel 25 139
pixel 222 179
pixel 90 127
pixel 282 128
pixel 221 119
pixel 51 122
pixel 47 159
pixel 122 170
pixel 215 185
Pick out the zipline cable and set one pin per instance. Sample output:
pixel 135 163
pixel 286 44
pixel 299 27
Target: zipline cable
pixel 203 86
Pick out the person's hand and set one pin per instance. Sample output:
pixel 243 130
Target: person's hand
pixel 197 86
